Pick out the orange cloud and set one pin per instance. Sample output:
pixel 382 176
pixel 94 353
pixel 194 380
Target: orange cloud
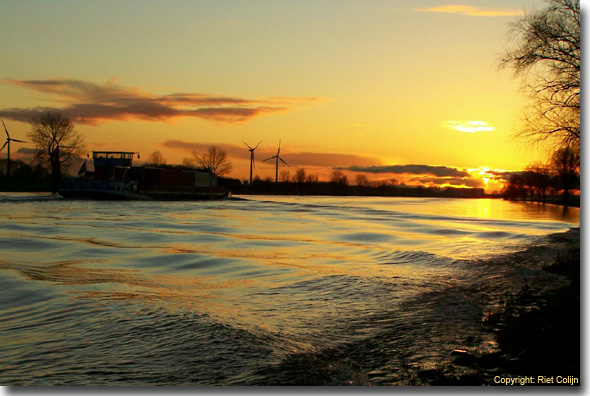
pixel 89 103
pixel 470 10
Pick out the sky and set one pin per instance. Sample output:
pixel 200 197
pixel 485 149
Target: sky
pixel 402 89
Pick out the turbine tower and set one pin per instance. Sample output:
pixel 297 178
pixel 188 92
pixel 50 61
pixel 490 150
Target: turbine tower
pixel 277 158
pixel 252 158
pixel 7 143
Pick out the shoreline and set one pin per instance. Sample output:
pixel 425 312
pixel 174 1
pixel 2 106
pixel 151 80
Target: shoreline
pixel 515 337
pixel 42 187
pixel 537 331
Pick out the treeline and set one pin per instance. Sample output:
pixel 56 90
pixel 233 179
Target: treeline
pixel 332 188
pixel 24 177
pixel 553 182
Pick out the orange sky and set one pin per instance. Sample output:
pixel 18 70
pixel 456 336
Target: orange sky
pixel 392 89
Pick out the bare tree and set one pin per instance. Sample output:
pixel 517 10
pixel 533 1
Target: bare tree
pixel 156 159
pixel 214 160
pixel 546 54
pixel 57 143
pixel 338 177
pixel 312 178
pixel 189 163
pixel 362 180
pixel 565 162
pixel 300 176
pixel 541 180
pixel 284 175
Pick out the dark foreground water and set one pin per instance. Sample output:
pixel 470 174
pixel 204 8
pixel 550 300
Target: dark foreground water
pixel 255 291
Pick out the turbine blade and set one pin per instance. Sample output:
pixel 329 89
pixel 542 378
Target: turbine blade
pixel 274 156
pixel 3 146
pixel 279 151
pixel 5 130
pixel 247 145
pixel 284 161
pixel 257 145
pixel 16 140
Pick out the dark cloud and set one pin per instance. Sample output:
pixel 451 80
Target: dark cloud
pixel 25 150
pixel 502 176
pixel 89 103
pixel 439 171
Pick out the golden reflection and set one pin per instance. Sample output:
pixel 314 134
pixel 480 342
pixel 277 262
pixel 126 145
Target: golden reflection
pixel 484 210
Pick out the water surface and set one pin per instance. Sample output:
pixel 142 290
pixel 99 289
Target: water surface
pixel 256 290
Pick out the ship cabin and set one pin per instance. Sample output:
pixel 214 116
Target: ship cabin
pixel 107 162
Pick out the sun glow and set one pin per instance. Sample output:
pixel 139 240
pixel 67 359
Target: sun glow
pixel 485 175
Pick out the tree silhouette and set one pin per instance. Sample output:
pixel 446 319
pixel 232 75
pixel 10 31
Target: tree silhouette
pixel 214 160
pixel 546 54
pixel 339 182
pixel 362 180
pixel 539 180
pixel 57 143
pixel 339 178
pixel 189 163
pixel 156 159
pixel 284 175
pixel 566 164
pixel 300 176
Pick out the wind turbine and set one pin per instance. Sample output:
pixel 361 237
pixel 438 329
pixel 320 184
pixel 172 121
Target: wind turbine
pixel 252 158
pixel 277 157
pixel 7 143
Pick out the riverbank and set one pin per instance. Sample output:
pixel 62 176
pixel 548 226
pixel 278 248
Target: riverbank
pixel 520 334
pixel 537 331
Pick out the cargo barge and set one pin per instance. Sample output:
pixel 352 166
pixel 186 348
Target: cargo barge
pixel 115 178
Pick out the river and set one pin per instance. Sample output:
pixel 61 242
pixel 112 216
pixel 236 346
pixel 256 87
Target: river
pixel 251 290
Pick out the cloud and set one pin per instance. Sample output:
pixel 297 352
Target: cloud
pixel 449 181
pixel 327 159
pixel 438 171
pixel 426 175
pixel 232 150
pixel 470 10
pixel 469 126
pixel 502 176
pixel 89 103
pixel 27 151
pixel 294 159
